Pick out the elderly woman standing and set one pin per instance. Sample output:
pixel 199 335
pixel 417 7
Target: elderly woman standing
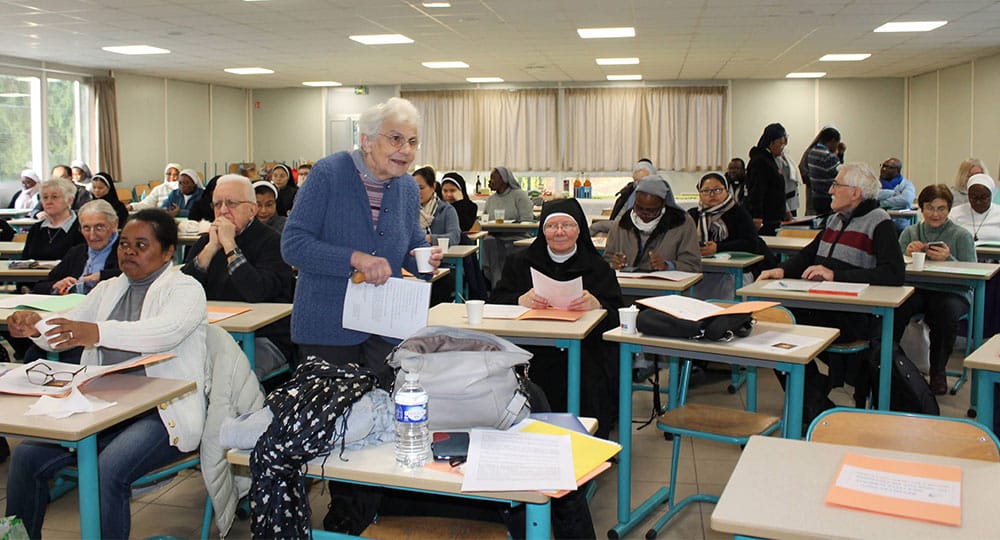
pixel 150 309
pixel 359 213
pixel 51 238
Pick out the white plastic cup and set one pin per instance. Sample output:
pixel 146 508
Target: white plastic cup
pixel 423 256
pixel 499 214
pixel 443 242
pixel 474 310
pixel 627 317
pixel 919 258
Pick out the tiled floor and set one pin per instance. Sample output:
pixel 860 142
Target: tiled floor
pixel 176 509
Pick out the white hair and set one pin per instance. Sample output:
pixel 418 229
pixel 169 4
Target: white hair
pixel 860 175
pixel 67 187
pixel 102 207
pixel 397 109
pixel 238 179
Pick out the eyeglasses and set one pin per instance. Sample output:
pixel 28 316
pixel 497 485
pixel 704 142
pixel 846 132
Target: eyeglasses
pixel 839 185
pixel 100 228
pixel 568 227
pixel 936 209
pixel 711 191
pixel 232 205
pixel 43 374
pixel 396 141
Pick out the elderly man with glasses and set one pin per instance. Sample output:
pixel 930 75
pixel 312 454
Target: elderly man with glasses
pixel 857 245
pixel 897 193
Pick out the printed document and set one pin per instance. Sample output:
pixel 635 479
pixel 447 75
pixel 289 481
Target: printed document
pixel 559 293
pixel 397 308
pixel 511 461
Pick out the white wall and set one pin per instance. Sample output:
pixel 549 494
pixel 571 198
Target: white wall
pixel 200 126
pixel 953 115
pixel 287 124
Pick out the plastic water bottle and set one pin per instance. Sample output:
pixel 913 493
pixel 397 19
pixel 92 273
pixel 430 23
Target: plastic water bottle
pixel 413 438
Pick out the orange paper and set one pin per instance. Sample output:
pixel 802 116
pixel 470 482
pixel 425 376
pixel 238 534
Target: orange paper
pixel 218 313
pixel 552 314
pixel 921 491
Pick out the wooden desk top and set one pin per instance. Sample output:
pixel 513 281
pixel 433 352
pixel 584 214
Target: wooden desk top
pixel 12 212
pixel 259 316
pixel 986 357
pixel 453 315
pixel 796 475
pixel 874 295
pixel 187 239
pixel 962 270
pixel 134 394
pixel 11 248
pixel 477 235
pixel 736 260
pixel 442 272
pixel 903 213
pixel 22 222
pixel 654 285
pixel 6 272
pixel 733 348
pixel 460 251
pixel 988 251
pixel 377 465
pixel 786 243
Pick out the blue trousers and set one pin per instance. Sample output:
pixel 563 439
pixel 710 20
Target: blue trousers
pixel 125 452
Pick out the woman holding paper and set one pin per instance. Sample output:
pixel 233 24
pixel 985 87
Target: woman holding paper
pixel 939 239
pixel 151 308
pixel 565 252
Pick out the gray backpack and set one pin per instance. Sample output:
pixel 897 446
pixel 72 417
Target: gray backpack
pixel 469 377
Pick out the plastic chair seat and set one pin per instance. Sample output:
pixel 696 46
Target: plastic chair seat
pixel 849 347
pixel 708 419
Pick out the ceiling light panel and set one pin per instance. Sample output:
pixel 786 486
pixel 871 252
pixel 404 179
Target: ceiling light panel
pixel 624 77
pixel 445 65
pixel 604 33
pixel 135 49
pixel 806 75
pixel 912 26
pixel 617 61
pixel 436 5
pixel 318 84
pixel 249 71
pixel 381 39
pixel 844 57
pixel 484 79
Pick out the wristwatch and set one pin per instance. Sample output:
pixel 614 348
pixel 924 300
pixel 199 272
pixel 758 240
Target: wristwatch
pixel 235 251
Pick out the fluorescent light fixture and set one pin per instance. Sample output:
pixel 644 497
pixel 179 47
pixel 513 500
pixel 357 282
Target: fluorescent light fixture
pixel 249 71
pixel 913 26
pixel 624 77
pixel 806 75
pixel 135 49
pixel 617 61
pixel 322 83
pixel 844 57
pixel 445 65
pixel 436 5
pixel 600 33
pixel 484 79
pixel 381 39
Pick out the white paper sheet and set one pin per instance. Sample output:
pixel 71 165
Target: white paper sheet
pixel 790 285
pixel 503 311
pixel 398 308
pixel 672 275
pixel 559 293
pixel 901 486
pixel 74 403
pixel 510 461
pixel 840 287
pixel 775 342
pixel 682 307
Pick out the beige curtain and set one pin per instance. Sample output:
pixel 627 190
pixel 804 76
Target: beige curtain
pixel 686 127
pixel 107 127
pixel 480 129
pixel 604 129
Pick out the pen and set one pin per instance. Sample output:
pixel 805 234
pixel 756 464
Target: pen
pixel 782 285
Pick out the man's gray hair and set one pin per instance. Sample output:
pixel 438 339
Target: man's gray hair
pixel 397 109
pixel 101 207
pixel 860 175
pixel 643 166
pixel 67 187
pixel 241 180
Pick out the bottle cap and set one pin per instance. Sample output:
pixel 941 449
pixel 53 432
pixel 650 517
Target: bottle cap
pixel 411 377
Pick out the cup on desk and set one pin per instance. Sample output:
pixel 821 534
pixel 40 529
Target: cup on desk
pixel 443 242
pixel 474 311
pixel 627 317
pixel 499 214
pixel 423 257
pixel 919 259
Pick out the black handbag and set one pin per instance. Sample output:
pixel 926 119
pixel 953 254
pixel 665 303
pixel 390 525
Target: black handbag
pixel 720 328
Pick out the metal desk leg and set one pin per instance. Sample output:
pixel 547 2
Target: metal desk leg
pixel 461 292
pixel 89 486
pixel 572 347
pixel 984 384
pixel 738 276
pixel 885 358
pixel 245 339
pixel 537 525
pixel 794 388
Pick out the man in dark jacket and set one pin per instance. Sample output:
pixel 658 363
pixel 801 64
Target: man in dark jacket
pixel 767 186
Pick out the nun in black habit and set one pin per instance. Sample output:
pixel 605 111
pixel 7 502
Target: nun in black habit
pixel 564 251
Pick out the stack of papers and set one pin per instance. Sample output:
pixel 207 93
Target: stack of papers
pixel 671 275
pixel 42 302
pixel 560 294
pixel 821 287
pixel 692 309
pixel 219 313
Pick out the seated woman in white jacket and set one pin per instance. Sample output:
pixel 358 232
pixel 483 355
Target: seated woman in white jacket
pixel 150 308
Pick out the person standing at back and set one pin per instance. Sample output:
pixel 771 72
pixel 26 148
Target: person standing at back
pixel 822 162
pixel 767 186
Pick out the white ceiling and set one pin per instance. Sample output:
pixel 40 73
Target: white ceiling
pixel 522 41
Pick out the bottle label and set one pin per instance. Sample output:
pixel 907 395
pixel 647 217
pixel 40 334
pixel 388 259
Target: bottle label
pixel 411 413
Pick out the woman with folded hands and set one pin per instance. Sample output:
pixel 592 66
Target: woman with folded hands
pixel 151 308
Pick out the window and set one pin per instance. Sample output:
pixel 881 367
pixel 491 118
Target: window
pixel 15 124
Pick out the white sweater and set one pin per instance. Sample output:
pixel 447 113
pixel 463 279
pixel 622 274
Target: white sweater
pixel 156 196
pixel 174 320
pixel 982 226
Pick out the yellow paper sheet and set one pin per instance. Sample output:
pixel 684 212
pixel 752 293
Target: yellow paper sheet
pixel 588 452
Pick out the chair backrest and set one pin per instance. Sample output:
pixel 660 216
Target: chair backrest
pixel 154 183
pixel 124 194
pixel 936 435
pixel 140 191
pixel 800 233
